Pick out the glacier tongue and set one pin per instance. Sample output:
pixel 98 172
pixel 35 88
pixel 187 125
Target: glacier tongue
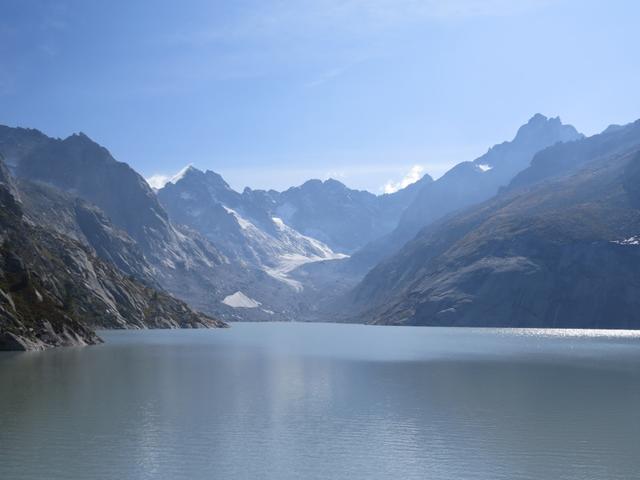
pixel 284 250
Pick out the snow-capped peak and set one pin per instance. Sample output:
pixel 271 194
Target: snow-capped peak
pixel 182 173
pixel 159 180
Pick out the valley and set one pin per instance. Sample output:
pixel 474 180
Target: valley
pixel 483 245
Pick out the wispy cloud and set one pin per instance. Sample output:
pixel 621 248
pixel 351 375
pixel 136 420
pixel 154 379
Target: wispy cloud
pixel 307 17
pixel 325 77
pixel 413 175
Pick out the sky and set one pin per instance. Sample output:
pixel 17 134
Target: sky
pixel 271 93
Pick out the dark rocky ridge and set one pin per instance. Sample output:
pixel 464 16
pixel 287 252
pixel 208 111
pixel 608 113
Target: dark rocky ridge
pixel 557 248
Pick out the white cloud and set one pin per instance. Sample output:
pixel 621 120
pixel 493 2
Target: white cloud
pixel 158 180
pixel 412 176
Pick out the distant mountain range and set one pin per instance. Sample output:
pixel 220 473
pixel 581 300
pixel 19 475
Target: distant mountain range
pixel 539 231
pixel 559 246
pixel 468 183
pixel 278 231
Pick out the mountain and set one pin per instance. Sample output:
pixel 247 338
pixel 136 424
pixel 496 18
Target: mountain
pixel 83 222
pixel 242 226
pixel 119 216
pixel 55 290
pixel 468 183
pixel 558 247
pixel 281 233
pixel 339 218
pixel 181 261
pixel 343 218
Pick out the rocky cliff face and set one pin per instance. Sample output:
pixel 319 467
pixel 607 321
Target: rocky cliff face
pixel 79 220
pixel 557 248
pixel 54 290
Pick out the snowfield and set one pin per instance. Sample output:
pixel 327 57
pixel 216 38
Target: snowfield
pixel 240 300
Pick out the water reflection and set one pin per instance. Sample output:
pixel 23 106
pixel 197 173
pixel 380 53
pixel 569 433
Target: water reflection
pixel 288 401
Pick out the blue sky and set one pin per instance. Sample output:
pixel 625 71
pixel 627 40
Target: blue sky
pixel 270 93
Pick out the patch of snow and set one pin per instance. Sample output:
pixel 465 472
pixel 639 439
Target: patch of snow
pixel 289 262
pixel 186 196
pixel 243 222
pixel 483 167
pixel 279 223
pixel 240 300
pixel 180 175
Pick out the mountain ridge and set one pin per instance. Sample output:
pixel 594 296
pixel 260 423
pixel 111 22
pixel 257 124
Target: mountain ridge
pixel 511 260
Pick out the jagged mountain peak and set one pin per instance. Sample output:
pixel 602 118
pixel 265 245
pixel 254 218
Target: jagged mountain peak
pixel 82 140
pixel 185 172
pixel 540 125
pixel 190 175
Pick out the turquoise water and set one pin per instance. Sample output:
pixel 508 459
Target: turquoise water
pixel 322 401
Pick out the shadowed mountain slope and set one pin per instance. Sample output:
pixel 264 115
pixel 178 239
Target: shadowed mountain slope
pixel 468 183
pixel 557 248
pixel 54 290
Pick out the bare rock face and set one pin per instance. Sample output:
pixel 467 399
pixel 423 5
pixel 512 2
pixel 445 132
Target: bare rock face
pixel 79 220
pixel 54 290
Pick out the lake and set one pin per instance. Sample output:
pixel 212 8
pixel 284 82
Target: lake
pixel 324 401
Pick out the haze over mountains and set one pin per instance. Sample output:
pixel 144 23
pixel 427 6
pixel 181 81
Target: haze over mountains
pixel 558 247
pixel 539 231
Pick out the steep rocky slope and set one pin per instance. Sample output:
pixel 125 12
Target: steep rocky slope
pixel 54 290
pixel 79 220
pixel 557 248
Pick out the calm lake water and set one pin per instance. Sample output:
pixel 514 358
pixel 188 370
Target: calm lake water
pixel 322 401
